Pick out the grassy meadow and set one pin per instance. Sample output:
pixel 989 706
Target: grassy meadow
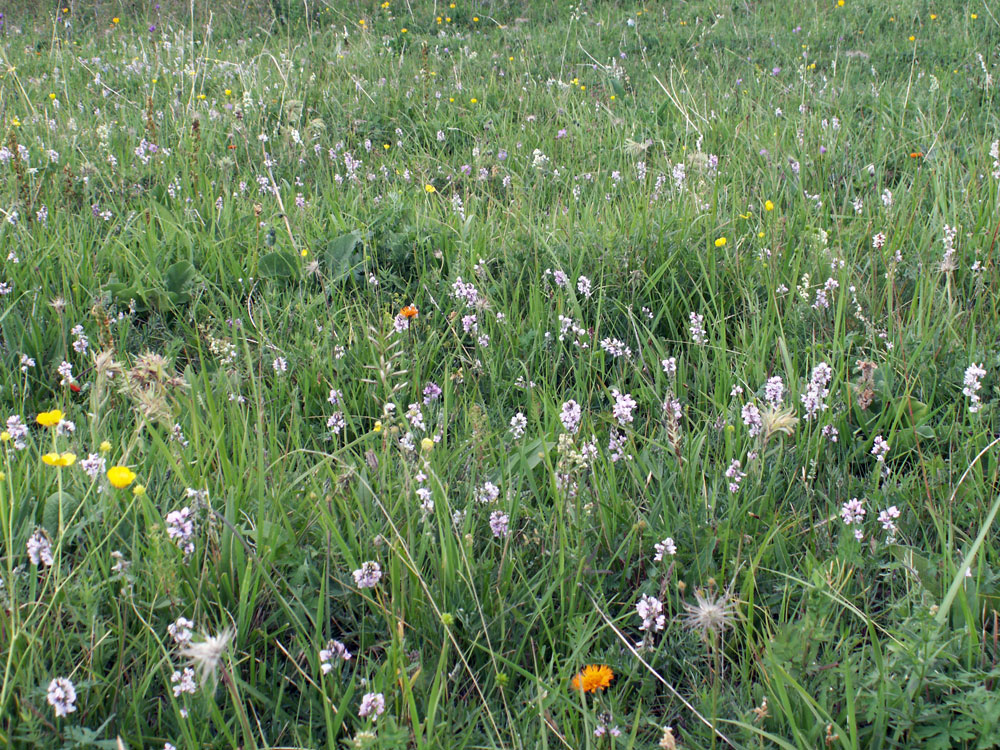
pixel 500 375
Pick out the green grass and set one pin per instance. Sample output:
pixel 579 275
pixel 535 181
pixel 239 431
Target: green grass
pixel 507 147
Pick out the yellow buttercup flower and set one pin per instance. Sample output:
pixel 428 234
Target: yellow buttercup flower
pixel 430 188
pixel 378 426
pixel 50 418
pixel 721 242
pixel 768 206
pixel 4 437
pixel 120 476
pixel 59 459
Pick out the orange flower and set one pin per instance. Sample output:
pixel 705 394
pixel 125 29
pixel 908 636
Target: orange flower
pixel 410 311
pixel 916 154
pixel 593 678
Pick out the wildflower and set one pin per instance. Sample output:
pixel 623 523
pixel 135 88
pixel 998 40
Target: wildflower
pixel 853 514
pixel 697 328
pixel 971 381
pixel 650 609
pixel 180 631
pixel 624 404
pixel 499 524
pixel 735 476
pixel 121 477
pixel 669 366
pixel 62 696
pixel 752 419
pixel 334 650
pixel 518 424
pixel 768 206
pixel 720 242
pixel 667 741
pixel 39 548
pixel 774 391
pixel 666 547
pixel 368 575
pixel 280 365
pixel 59 459
pixel 486 494
pixel 207 653
pixel 183 682
pixel 708 615
pixel 372 704
pixel 430 188
pixel 410 311
pixel 50 418
pixel 180 528
pixel 593 678
pixel 93 465
pixel 432 391
pixel 104 447
pixel 570 416
pixel 879 448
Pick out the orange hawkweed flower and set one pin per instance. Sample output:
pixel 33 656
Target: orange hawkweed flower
pixel 593 678
pixel 410 311
pixel 916 154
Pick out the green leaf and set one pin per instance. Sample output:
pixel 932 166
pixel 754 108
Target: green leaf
pixel 50 512
pixel 278 265
pixel 340 256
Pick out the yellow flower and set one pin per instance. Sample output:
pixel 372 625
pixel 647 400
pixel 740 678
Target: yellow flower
pixel 760 234
pixel 362 22
pixel 474 100
pixel 104 447
pixel 385 146
pixel 612 97
pixel 52 96
pixel 427 445
pixel 15 122
pixel 228 92
pixel 4 437
pixel 933 16
pixel 593 678
pixel 121 476
pixel 430 188
pixel 768 206
pixel 840 3
pixel 139 490
pixel 114 20
pixel 913 38
pixel 304 252
pixel 378 426
pixel 721 242
pixel 402 31
pixel 475 19
pixel 452 6
pixel 59 459
pixel 974 16
pixel 50 418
